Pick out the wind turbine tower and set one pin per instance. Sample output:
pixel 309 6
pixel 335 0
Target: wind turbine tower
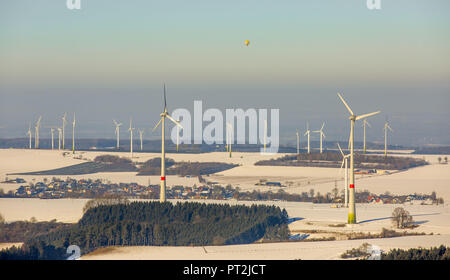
pixel 141 134
pixel 64 122
pixel 322 135
pixel 364 126
pixel 51 131
pixel 265 135
pixel 73 134
pixel 353 118
pixel 36 140
pixel 29 134
pixel 298 142
pixel 229 136
pixel 59 138
pixel 308 133
pixel 117 131
pixel 131 139
pixel 164 115
pixel 386 127
pixel 345 163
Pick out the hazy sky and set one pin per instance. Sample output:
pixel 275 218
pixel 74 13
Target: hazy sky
pixel 110 59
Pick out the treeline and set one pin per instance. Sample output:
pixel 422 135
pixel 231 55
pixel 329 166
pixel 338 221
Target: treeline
pixel 153 167
pixel 435 253
pixel 22 231
pixel 332 159
pixel 160 224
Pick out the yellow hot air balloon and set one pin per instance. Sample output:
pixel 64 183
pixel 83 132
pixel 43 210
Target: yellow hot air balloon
pixel 247 42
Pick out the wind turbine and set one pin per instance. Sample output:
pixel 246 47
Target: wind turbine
pixel 308 132
pixel 36 128
pixel 59 138
pixel 321 135
pixel 64 122
pixel 131 139
pixel 51 131
pixel 265 135
pixel 141 134
pixel 162 121
pixel 353 118
pixel 73 135
pixel 117 131
pixel 364 126
pixel 229 136
pixel 298 142
pixel 345 162
pixel 29 133
pixel 386 127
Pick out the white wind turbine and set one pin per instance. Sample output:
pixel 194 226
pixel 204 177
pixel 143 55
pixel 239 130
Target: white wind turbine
pixel 298 142
pixel 308 133
pixel 117 131
pixel 64 122
pixel 162 122
pixel 322 135
pixel 365 123
pixel 29 134
pixel 386 127
pixel 141 135
pixel 73 134
pixel 353 118
pixel 345 162
pixel 52 130
pixel 265 135
pixel 59 138
pixel 131 139
pixel 36 128
pixel 229 136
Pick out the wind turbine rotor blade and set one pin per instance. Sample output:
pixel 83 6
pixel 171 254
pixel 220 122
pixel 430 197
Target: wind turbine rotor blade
pixel 367 115
pixel 322 126
pixel 174 121
pixel 342 153
pixel 346 105
pixel 156 126
pixel 165 103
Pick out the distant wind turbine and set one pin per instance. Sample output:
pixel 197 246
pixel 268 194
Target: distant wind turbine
pixel 73 134
pixel 59 138
pixel 365 123
pixel 229 136
pixel 164 115
pixel 345 162
pixel 64 122
pixel 353 118
pixel 29 134
pixel 36 128
pixel 117 131
pixel 141 134
pixel 298 142
pixel 322 135
pixel 308 133
pixel 131 139
pixel 51 131
pixel 386 127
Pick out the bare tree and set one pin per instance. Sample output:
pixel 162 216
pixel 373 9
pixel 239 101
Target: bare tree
pixel 401 218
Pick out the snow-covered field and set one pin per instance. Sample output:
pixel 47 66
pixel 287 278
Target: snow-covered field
pixel 371 218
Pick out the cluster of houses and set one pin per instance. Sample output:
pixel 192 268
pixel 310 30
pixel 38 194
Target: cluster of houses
pixel 410 199
pixel 71 188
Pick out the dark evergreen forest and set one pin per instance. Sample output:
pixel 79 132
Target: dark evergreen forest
pixel 158 224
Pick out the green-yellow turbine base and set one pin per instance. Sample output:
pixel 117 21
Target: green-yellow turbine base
pixel 351 218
